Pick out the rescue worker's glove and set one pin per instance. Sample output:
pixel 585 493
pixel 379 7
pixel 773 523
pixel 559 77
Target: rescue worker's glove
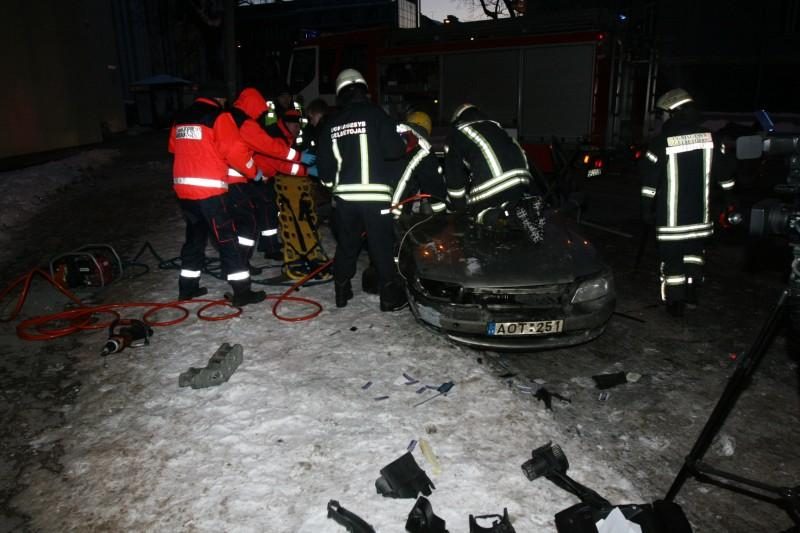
pixel 259 175
pixel 411 141
pixel 313 171
pixel 307 158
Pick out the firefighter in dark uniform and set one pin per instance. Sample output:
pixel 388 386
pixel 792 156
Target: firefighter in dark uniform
pixel 354 148
pixel 487 172
pixel 206 143
pixel 678 168
pixel 420 171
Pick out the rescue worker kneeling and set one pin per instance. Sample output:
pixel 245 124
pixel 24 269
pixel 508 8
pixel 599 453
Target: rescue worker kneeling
pixel 354 148
pixel 205 141
pixel 487 174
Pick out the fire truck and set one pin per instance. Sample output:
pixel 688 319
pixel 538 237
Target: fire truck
pixel 572 79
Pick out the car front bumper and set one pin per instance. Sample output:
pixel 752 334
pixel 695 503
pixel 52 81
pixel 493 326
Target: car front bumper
pixel 467 323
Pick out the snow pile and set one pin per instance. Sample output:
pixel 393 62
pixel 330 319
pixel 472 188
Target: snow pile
pixel 295 427
pixel 24 192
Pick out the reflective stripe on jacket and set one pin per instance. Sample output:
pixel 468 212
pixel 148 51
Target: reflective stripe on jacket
pixel 206 143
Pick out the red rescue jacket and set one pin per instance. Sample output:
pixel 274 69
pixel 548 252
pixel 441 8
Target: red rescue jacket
pixel 247 109
pixel 206 142
pixel 271 166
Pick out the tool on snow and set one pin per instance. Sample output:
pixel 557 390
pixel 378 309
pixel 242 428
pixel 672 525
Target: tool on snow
pixel 125 332
pixel 93 265
pixel 219 369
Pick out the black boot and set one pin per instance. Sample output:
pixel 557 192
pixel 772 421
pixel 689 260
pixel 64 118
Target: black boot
pixel 369 280
pixel 393 297
pixel 242 295
pixel 189 288
pixel 343 292
pixel 255 271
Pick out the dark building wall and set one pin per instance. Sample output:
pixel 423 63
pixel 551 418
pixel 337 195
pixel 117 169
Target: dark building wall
pixel 61 79
pixel 734 56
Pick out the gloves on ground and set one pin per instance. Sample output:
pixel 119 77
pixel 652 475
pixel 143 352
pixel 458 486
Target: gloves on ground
pixel 307 158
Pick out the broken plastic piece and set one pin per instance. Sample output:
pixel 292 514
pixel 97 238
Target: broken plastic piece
pixel 503 525
pixel 427 451
pixel 366 385
pixel 403 478
pixel 422 520
pixel 544 395
pixel 352 522
pixel 411 445
pixel 444 388
pixel 219 369
pixel 549 461
pixel 606 381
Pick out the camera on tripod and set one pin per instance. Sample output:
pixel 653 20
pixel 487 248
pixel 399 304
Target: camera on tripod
pixel 771 216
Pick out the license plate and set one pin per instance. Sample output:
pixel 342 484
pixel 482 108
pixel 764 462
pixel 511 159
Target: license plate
pixel 539 327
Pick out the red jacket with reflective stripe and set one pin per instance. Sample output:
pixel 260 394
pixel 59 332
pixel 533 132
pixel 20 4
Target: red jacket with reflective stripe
pixel 271 166
pixel 206 142
pixel 246 111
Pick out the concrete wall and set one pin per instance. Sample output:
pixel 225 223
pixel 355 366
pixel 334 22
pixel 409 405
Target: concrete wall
pixel 60 84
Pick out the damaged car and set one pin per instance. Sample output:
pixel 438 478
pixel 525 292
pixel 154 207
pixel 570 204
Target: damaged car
pixel 496 290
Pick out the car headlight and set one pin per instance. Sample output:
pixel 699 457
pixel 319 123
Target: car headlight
pixel 593 289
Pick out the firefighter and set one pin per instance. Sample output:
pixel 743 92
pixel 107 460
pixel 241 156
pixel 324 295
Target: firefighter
pixel 315 113
pixel 419 171
pixel 353 152
pixel 206 142
pixel 676 180
pixel 279 105
pixel 486 170
pixel 270 152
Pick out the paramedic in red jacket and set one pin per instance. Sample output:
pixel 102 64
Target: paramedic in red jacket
pixel 206 142
pixel 269 154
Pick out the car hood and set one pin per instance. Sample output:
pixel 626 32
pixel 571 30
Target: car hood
pixel 451 248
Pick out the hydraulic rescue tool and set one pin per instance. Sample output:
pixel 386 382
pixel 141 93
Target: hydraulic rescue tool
pixel 124 332
pixel 92 265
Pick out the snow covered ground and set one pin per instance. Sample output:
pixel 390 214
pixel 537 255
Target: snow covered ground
pixel 116 445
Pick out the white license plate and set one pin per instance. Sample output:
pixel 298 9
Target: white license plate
pixel 539 327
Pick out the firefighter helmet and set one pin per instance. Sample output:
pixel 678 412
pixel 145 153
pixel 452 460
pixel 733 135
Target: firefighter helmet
pixel 349 76
pixel 460 110
pixel 420 119
pixel 672 100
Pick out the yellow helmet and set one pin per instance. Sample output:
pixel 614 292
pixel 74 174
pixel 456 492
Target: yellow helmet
pixel 420 119
pixel 672 100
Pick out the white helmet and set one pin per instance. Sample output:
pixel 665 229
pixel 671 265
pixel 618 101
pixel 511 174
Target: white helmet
pixel 460 110
pixel 347 77
pixel 672 100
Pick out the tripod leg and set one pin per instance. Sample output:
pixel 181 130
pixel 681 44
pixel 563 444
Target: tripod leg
pixel 736 385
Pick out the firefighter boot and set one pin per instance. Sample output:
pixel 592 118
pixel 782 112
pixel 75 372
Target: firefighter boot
pixel 393 297
pixel 189 288
pixel 369 280
pixel 242 295
pixel 343 292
